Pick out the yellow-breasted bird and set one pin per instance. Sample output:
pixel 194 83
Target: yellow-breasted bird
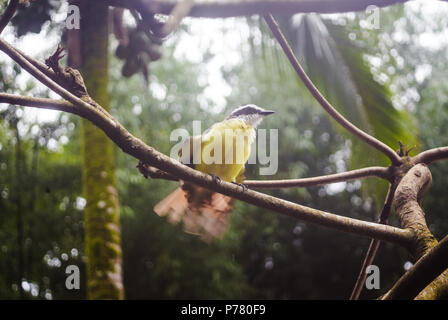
pixel 221 151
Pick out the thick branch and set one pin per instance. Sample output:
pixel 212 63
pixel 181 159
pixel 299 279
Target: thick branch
pixel 406 204
pixel 136 148
pixel 422 273
pixel 41 103
pixel 8 13
pixel 222 8
pixel 391 154
pixel 431 155
pixel 88 106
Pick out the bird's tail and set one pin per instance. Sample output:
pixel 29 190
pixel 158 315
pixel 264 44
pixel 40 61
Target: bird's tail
pixel 203 212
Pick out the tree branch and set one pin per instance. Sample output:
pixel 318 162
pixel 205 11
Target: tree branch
pixel 221 8
pixel 179 12
pixel 422 273
pixel 391 154
pixel 406 203
pixel 381 172
pixel 407 197
pixel 431 155
pixel 8 14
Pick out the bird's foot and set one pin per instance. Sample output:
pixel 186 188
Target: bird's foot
pixel 242 185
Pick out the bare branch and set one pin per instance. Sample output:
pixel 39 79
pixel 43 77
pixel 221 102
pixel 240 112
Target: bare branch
pixel 179 12
pixel 431 155
pixel 8 14
pixel 146 154
pixel 41 103
pixel 380 172
pixel 425 270
pixel 89 107
pixel 391 154
pixel 221 9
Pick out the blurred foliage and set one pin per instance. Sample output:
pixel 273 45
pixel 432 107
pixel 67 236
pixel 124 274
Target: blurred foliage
pixel 338 64
pixel 264 255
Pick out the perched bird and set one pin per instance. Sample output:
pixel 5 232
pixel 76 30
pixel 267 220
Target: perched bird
pixel 221 151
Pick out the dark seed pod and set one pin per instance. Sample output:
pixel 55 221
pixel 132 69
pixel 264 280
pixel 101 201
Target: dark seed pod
pixel 140 42
pixel 143 58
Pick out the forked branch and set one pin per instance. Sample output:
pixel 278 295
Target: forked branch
pixel 374 244
pixel 430 262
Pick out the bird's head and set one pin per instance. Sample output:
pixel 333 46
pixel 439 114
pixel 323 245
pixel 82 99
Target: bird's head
pixel 250 113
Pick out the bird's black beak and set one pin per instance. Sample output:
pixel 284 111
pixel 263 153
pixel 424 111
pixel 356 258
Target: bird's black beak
pixel 266 112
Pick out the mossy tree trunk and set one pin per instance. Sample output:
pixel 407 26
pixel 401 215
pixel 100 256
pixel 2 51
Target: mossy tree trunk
pixel 102 225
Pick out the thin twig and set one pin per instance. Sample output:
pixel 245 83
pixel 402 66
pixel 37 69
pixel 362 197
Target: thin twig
pixel 425 270
pixel 8 14
pixel 146 154
pixel 41 103
pixel 407 206
pixel 51 84
pixel 391 154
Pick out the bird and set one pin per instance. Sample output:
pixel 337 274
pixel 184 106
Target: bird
pixel 222 152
